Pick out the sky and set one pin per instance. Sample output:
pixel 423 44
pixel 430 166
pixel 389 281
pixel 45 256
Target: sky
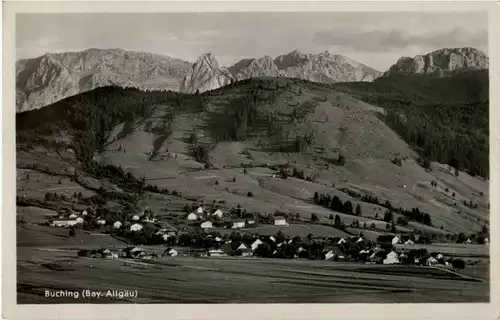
pixel 377 39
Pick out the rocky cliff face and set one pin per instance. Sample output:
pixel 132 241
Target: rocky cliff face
pixel 441 61
pixel 324 67
pixel 205 75
pixel 52 77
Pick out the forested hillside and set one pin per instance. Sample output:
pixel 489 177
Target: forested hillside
pixel 446 119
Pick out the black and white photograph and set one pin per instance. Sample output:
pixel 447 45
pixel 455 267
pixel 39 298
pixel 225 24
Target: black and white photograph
pixel 267 157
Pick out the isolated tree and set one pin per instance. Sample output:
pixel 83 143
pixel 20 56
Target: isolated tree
pixel 338 221
pixel 388 217
pixel 316 197
pixel 358 210
pixel 314 217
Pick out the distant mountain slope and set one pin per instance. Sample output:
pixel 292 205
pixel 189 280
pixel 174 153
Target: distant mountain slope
pixel 441 61
pixel 324 67
pixel 55 76
pixel 446 118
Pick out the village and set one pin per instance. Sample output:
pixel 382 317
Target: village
pixel 208 234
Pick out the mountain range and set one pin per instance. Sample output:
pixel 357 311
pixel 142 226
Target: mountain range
pixel 54 76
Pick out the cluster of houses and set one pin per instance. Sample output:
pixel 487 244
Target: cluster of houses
pixel 213 219
pixel 71 219
pixel 129 252
pixel 354 249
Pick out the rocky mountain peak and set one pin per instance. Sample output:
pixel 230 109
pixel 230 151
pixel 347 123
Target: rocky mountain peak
pixel 442 60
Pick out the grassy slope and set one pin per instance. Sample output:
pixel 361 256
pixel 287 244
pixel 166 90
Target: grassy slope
pixel 278 111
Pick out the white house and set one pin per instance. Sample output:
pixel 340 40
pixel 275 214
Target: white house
pixel 300 249
pixel 79 220
pixel 255 244
pixel 280 221
pixel 216 252
pixel 238 224
pixel 486 241
pixel 329 255
pixel 199 210
pixel 136 227
pixel 364 251
pixel 392 258
pixel 135 217
pixel 84 212
pixel 218 213
pixel 73 216
pixel 218 239
pixel 165 237
pixel 409 242
pixel 396 240
pixel 103 222
pixel 342 240
pixel 251 222
pixel 172 252
pixel 431 261
pixel 192 216
pixel 117 225
pixel 439 256
pixel 63 223
pixel 206 225
pixel 242 247
pixel 468 241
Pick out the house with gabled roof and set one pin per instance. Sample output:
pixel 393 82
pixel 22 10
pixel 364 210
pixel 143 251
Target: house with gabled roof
pixel 280 221
pixel 256 244
pixel 218 213
pixel 192 216
pixel 238 224
pixel 206 225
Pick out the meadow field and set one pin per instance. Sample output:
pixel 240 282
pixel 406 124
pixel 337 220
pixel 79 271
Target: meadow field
pixel 237 280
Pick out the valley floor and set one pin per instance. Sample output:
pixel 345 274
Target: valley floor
pixel 238 280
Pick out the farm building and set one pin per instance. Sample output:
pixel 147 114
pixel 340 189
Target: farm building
pixel 218 213
pixel 486 241
pixel 216 253
pixel 272 238
pixel 136 227
pixel 243 252
pixel 280 221
pixel 409 242
pixel 329 255
pixel 392 258
pixel 396 240
pixel 199 210
pixel 73 216
pixel 431 261
pixel 192 216
pixel 84 212
pixel 256 243
pixel 171 252
pixel 135 217
pixel 103 222
pixel 250 222
pixel 206 225
pixel 238 224
pixel 360 239
pixel 117 225
pixel 132 252
pixel 79 220
pixel 63 223
pixel 218 239
pixel 341 241
pixel 468 241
